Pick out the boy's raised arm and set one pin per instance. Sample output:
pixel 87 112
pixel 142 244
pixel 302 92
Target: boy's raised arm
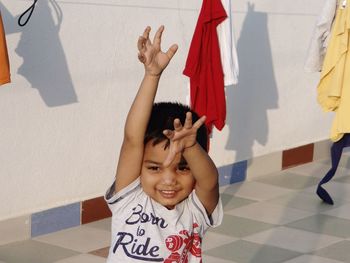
pixel 206 175
pixel 131 153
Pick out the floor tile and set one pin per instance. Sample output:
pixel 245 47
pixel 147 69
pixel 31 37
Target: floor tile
pixel 102 252
pixel 82 258
pixel 269 213
pixel 312 259
pixel 263 165
pixel 273 218
pixel 248 252
pixel 341 211
pixel 322 150
pixel 239 227
pixel 33 251
pixel 212 240
pixel 209 259
pixel 305 201
pixel 343 179
pixel 13 230
pixel 230 202
pixel 324 224
pixel 336 189
pixel 344 160
pixel 83 239
pixel 289 180
pixel 256 191
pixel 339 251
pixel 317 169
pixel 104 224
pixel 292 239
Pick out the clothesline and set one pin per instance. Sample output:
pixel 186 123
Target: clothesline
pixel 180 9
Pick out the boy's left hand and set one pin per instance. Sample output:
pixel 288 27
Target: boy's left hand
pixel 182 137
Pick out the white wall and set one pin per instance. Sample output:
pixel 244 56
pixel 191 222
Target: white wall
pixel 75 72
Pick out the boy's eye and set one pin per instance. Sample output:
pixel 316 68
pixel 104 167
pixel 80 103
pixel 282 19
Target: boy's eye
pixel 153 168
pixel 183 168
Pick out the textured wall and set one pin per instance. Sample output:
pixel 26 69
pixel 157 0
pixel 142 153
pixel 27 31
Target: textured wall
pixel 75 72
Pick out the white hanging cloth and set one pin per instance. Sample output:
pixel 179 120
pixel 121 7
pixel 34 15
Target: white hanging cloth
pixel 320 37
pixel 228 52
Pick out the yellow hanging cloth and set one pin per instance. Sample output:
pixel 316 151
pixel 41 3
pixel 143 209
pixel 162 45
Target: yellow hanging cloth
pixel 334 86
pixel 4 59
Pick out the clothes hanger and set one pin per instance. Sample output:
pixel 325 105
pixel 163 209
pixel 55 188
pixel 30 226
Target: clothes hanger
pixel 30 10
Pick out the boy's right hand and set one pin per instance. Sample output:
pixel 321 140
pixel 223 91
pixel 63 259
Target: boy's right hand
pixel 151 55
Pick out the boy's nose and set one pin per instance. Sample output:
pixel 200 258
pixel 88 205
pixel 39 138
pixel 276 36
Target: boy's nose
pixel 169 177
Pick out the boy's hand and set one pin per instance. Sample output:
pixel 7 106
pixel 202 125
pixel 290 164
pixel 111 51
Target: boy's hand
pixel 150 54
pixel 182 137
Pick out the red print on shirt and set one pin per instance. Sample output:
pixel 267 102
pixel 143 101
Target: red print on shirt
pixel 191 242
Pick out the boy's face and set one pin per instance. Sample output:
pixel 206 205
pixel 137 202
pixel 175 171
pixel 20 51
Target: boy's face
pixel 166 185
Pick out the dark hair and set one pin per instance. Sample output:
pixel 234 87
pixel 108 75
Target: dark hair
pixel 162 118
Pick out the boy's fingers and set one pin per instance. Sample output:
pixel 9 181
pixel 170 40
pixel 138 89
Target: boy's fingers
pixel 168 133
pixel 146 32
pixel 145 36
pixel 148 43
pixel 188 120
pixel 141 57
pixel 199 122
pixel 140 42
pixel 171 51
pixel 177 125
pixel 169 159
pixel 158 36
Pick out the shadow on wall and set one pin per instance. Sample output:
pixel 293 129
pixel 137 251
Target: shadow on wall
pixel 256 91
pixel 44 62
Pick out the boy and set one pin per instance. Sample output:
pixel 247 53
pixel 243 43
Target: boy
pixel 165 194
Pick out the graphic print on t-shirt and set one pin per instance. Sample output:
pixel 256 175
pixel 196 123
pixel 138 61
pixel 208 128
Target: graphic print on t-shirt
pixel 191 242
pixel 140 245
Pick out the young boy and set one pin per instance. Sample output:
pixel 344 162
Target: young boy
pixel 165 195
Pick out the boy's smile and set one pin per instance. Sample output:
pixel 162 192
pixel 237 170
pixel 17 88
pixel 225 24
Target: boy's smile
pixel 166 185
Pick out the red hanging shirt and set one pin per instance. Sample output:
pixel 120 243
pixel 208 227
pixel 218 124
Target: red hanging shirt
pixel 203 66
pixel 4 60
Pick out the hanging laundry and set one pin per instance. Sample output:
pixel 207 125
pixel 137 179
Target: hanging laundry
pixel 320 37
pixel 333 88
pixel 203 66
pixel 228 52
pixel 4 60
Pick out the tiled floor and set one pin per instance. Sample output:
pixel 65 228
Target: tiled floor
pixel 270 219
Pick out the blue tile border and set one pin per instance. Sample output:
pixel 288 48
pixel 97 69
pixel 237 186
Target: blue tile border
pixel 233 173
pixel 55 219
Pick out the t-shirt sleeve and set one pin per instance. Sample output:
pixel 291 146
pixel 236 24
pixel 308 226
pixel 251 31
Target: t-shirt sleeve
pixel 118 200
pixel 215 218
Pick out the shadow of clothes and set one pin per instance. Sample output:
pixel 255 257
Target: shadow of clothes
pixel 256 91
pixel 44 62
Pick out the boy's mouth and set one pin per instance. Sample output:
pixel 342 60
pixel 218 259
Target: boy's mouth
pixel 167 193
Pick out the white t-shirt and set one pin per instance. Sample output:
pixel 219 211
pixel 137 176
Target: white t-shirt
pixel 145 231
